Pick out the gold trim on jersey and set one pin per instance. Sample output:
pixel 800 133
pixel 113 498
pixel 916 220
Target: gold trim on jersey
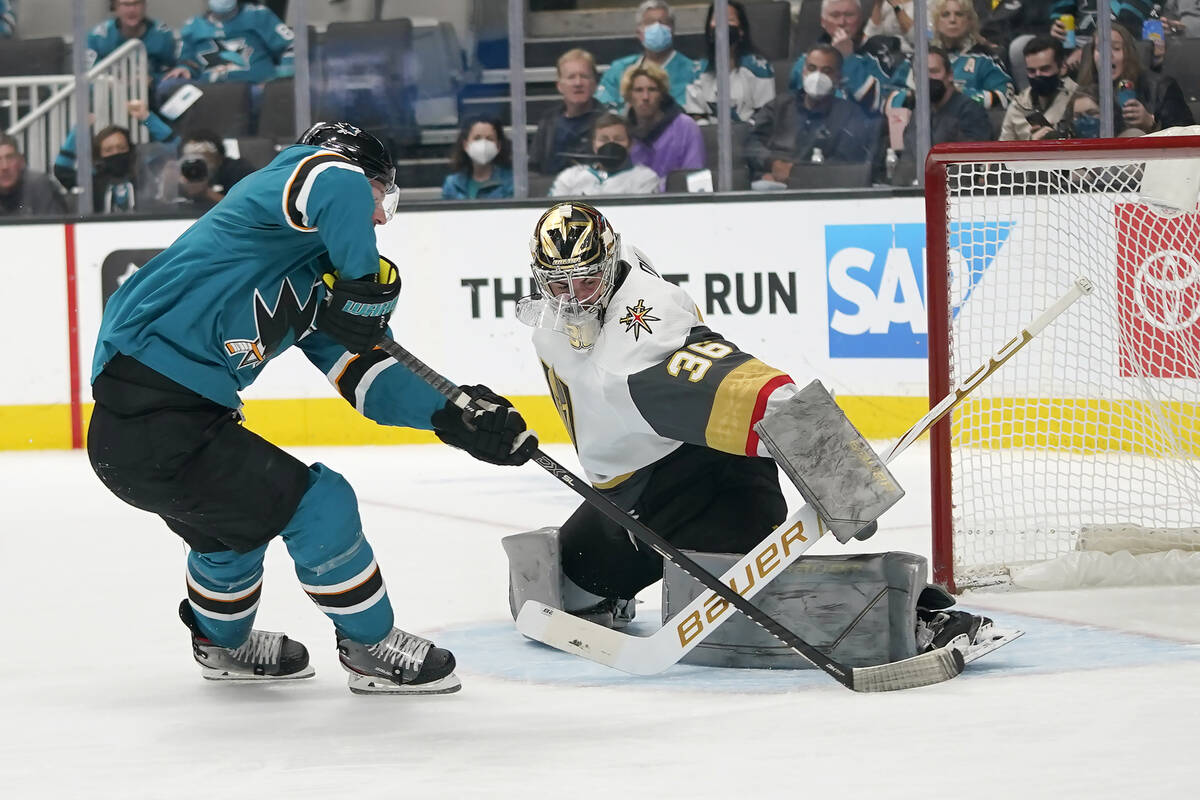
pixel 615 481
pixel 734 403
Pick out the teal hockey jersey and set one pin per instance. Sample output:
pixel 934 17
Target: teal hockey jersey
pixel 243 284
pixel 254 46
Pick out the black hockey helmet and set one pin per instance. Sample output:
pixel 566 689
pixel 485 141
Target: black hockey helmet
pixel 363 149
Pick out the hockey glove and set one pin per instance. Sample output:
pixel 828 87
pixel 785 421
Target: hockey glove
pixel 356 312
pixel 491 433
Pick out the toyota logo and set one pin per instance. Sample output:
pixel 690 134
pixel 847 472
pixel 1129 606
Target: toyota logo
pixel 1173 278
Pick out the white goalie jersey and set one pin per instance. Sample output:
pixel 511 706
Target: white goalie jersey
pixel 656 377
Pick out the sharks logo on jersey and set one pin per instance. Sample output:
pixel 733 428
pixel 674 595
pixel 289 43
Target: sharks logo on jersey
pixel 289 321
pixel 226 55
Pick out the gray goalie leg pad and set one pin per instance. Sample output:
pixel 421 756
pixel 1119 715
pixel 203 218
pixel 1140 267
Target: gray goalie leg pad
pixel 535 573
pixel 829 461
pixel 861 610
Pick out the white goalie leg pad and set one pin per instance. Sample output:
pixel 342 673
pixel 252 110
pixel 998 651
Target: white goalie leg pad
pixel 859 609
pixel 535 573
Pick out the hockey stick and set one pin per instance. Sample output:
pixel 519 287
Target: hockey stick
pixel 649 655
pixel 927 668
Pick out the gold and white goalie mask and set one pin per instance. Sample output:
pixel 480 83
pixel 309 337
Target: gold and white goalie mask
pixel 574 262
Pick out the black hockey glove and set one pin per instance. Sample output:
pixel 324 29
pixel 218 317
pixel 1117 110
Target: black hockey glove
pixel 489 433
pixel 356 313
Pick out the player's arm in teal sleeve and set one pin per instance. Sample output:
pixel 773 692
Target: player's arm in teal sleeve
pixel 378 386
pixel 339 205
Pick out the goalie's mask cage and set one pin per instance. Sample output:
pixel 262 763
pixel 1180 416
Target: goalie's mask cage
pixel 574 259
pixel 1089 438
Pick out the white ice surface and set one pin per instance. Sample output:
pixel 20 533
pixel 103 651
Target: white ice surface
pixel 99 697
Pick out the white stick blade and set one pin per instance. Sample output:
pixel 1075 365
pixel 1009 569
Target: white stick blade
pixel 570 634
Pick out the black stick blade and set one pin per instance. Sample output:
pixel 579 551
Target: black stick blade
pixel 928 668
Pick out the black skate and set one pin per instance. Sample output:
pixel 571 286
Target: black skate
pixel 400 664
pixel 265 656
pixel 957 629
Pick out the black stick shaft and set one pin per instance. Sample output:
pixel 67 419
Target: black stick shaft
pixel 618 515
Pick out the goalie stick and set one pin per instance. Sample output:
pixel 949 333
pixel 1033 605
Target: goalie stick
pixel 650 655
pixel 927 668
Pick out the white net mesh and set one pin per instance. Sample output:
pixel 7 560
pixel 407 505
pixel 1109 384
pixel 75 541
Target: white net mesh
pixel 1095 422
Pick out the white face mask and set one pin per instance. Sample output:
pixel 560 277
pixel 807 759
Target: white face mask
pixel 482 151
pixel 817 84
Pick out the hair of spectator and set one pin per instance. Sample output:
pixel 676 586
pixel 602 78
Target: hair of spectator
pixel 1091 92
pixel 205 135
pixel 651 5
pixel 828 4
pixel 577 54
pixel 828 50
pixel 607 120
pixel 104 133
pixel 944 56
pixel 1131 66
pixel 9 141
pixel 652 71
pixel 936 9
pixel 1042 43
pixel 461 162
pixel 745 46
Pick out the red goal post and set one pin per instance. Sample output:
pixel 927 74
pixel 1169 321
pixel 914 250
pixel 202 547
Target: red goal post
pixel 1093 431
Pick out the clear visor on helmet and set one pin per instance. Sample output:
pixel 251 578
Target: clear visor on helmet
pixel 386 197
pixel 562 314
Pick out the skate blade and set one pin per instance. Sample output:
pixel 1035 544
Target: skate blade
pixel 365 684
pixel 211 674
pixel 996 640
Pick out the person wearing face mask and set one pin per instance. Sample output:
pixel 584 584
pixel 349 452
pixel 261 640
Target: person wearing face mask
pixel 954 117
pixel 231 41
pixel 1083 120
pixel 789 128
pixel 655 28
pixel 751 78
pixel 480 163
pixel 105 175
pixel 863 81
pixel 205 173
pixel 611 171
pixel 1036 112
pixel 567 128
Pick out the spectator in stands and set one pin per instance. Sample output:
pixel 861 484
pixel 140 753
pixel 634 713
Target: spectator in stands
pixel 129 21
pixel 8 19
pixel 655 27
pixel 1183 17
pixel 1130 14
pixel 205 172
pixel 24 191
pixel 232 41
pixel 1036 111
pixel 751 78
pixel 798 123
pixel 1083 119
pixel 977 73
pixel 1007 27
pixel 567 128
pixel 480 163
pixel 954 116
pixel 613 171
pixel 890 18
pixel 110 172
pixel 1157 100
pixel 664 138
pixel 862 79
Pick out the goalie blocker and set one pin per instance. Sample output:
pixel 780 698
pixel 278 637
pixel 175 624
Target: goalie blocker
pixel 837 472
pixel 861 609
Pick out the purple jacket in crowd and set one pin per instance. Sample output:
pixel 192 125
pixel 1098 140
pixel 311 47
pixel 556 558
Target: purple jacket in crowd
pixel 674 143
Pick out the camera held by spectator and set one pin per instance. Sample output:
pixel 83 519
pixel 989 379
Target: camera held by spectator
pixel 205 173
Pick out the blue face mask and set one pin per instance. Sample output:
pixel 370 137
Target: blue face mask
pixel 1086 127
pixel 656 37
pixel 222 7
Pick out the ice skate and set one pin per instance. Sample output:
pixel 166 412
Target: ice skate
pixel 265 656
pixel 956 629
pixel 400 664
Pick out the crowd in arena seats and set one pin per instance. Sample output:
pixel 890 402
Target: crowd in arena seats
pixel 23 191
pixel 481 162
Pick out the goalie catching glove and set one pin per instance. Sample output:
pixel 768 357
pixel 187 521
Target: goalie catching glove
pixel 356 312
pixel 491 431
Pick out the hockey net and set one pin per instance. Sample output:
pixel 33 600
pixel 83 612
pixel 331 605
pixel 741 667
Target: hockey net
pixel 1086 444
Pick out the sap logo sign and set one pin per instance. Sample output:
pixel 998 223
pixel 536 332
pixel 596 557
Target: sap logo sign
pixel 876 286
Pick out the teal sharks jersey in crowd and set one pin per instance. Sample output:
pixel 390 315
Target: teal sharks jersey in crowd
pixel 243 284
pixel 254 46
pixel 161 44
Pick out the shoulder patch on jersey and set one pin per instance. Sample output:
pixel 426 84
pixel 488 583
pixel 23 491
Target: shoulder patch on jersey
pixel 638 319
pixel 298 187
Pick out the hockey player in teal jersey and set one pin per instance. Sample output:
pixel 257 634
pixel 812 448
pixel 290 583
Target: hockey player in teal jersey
pixel 287 258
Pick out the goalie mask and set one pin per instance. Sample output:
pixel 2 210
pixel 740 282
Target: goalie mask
pixel 574 261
